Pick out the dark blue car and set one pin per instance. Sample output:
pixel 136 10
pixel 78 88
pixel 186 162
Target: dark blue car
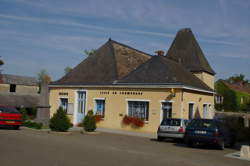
pixel 209 132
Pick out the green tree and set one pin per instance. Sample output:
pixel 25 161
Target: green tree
pixel 90 52
pixel 67 70
pixel 60 121
pixel 230 99
pixel 238 79
pixel 43 75
pixel 89 122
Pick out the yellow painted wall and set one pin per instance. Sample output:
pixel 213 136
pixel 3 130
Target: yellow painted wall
pixel 116 104
pixel 4 87
pixel 54 99
pixel 206 78
pixel 198 99
pixel 26 89
pixel 19 89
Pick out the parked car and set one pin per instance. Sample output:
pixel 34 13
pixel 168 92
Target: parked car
pixel 10 117
pixel 210 132
pixel 172 128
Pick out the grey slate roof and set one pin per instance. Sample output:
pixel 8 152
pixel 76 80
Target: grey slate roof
pixel 185 49
pixel 161 70
pixel 111 62
pixel 18 100
pixel 115 64
pixel 18 80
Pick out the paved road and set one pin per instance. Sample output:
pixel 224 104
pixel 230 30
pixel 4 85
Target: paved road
pixel 33 148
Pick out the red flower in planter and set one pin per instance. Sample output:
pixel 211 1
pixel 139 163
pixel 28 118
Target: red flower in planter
pixel 138 122
pixel 133 120
pixel 126 120
pixel 98 118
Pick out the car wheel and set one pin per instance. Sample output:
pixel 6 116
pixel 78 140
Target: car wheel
pixel 160 138
pixel 222 145
pixel 16 127
pixel 188 143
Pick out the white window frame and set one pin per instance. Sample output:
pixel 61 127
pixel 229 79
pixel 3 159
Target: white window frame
pixel 161 111
pixel 60 102
pixel 95 109
pixel 191 102
pixel 76 104
pixel 138 100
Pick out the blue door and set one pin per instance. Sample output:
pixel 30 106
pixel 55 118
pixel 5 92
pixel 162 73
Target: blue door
pixel 81 102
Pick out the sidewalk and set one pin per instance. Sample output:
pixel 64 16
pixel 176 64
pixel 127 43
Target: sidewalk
pixel 122 132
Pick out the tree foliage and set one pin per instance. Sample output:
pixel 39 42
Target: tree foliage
pixel 90 52
pixel 238 79
pixel 89 122
pixel 60 121
pixel 67 70
pixel 43 76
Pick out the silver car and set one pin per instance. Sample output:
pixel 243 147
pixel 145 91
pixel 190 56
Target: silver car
pixel 172 128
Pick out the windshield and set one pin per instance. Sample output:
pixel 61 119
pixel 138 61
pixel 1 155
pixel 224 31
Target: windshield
pixel 171 122
pixel 207 124
pixel 8 110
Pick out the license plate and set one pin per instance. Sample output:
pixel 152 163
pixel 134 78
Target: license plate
pixel 10 122
pixel 168 128
pixel 200 132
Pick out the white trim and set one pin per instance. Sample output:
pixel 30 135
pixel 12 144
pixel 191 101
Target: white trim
pixel 94 100
pixel 99 98
pixel 138 100
pixel 159 86
pixel 170 101
pixel 161 111
pixel 191 102
pixel 76 104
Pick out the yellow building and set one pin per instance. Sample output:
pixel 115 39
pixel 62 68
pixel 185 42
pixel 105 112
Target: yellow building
pixel 119 80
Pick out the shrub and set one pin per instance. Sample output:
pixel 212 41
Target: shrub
pixel 32 125
pixel 89 122
pixel 60 121
pixel 33 113
pixel 24 113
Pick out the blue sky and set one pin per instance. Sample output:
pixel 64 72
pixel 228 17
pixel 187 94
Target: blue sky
pixel 53 34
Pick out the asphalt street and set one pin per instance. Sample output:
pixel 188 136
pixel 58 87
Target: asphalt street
pixel 33 148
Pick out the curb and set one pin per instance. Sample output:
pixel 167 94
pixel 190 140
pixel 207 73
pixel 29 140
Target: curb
pixel 90 133
pixel 60 133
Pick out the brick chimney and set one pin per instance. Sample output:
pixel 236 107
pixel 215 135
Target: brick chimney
pixel 159 53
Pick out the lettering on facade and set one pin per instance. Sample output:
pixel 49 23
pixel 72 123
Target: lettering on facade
pixel 120 93
pixel 63 94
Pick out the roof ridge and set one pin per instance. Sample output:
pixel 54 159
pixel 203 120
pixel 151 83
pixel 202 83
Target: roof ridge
pixel 113 54
pixel 186 70
pixel 129 47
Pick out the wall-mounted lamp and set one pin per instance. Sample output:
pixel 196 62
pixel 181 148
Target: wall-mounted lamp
pixel 172 91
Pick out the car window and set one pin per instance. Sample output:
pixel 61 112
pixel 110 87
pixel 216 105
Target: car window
pixel 8 110
pixel 207 124
pixel 171 122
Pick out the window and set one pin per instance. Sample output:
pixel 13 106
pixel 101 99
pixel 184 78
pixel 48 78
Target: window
pixel 190 110
pixel 205 110
pixel 12 88
pixel 166 110
pixel 138 109
pixel 100 107
pixel 81 102
pixel 64 104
